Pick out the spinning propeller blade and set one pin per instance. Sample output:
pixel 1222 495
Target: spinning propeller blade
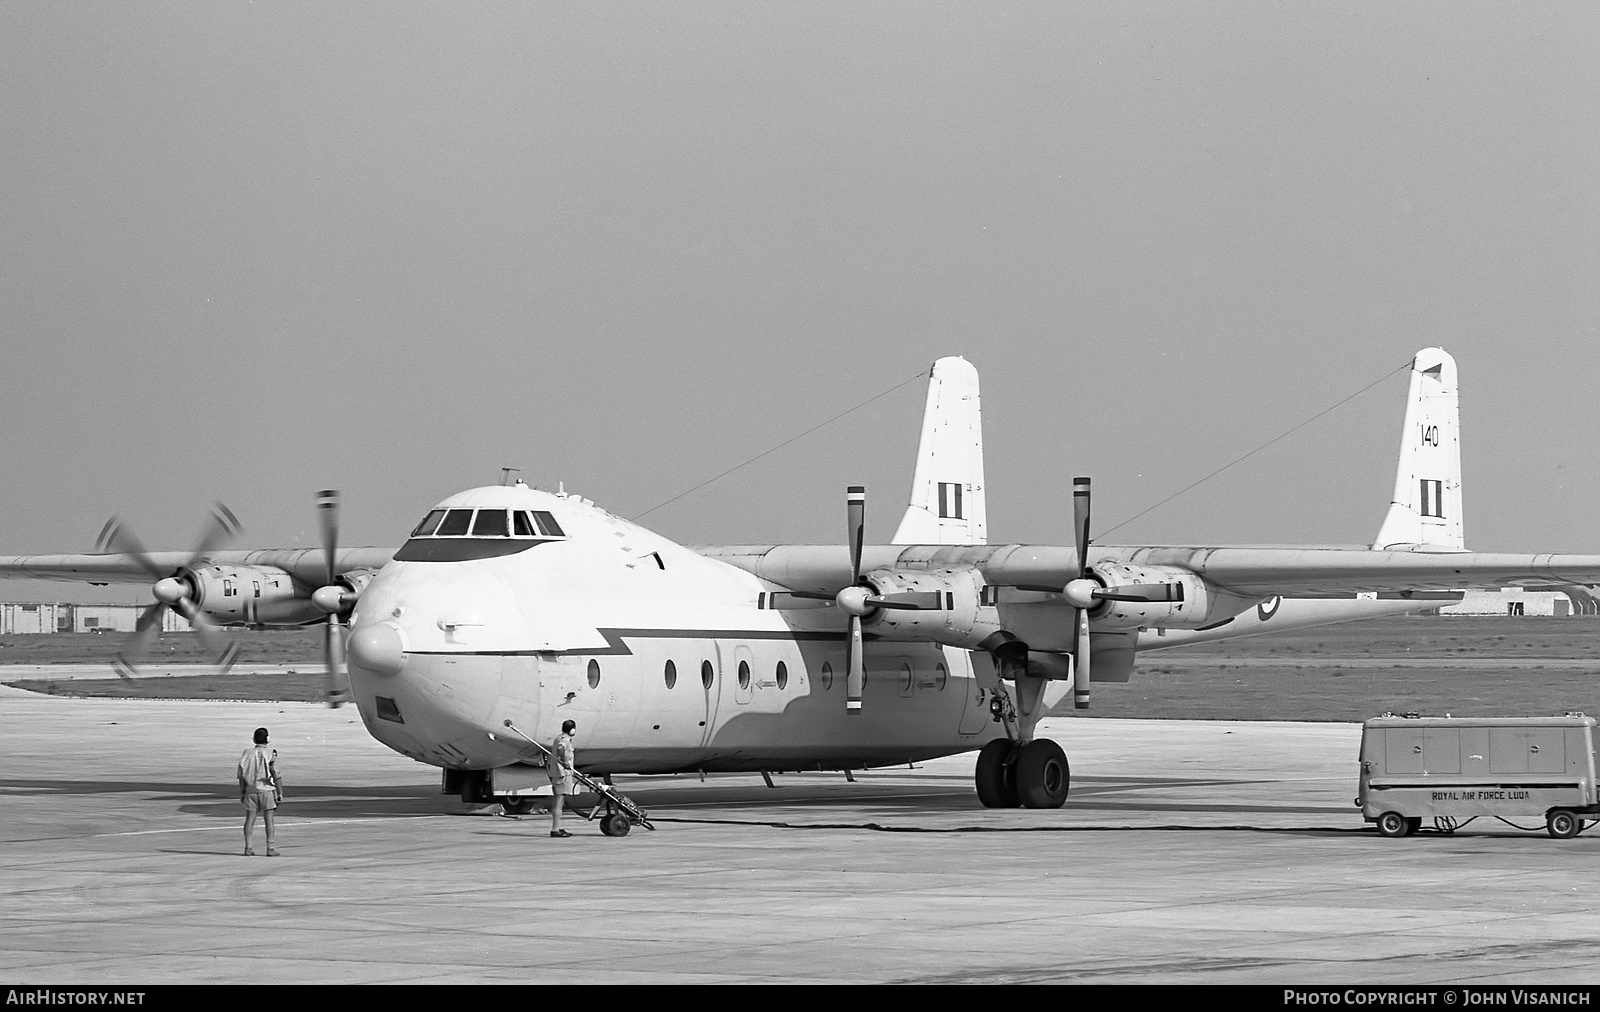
pixel 336 678
pixel 172 590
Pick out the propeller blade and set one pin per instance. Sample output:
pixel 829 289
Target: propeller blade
pixel 1081 655
pixel 856 506
pixel 126 663
pixel 328 520
pixel 115 537
pixel 1143 592
pixel 337 686
pixel 224 651
pixel 221 526
pixel 855 668
pixel 1080 521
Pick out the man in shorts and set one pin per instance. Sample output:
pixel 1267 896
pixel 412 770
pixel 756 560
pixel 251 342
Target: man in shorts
pixel 562 761
pixel 258 790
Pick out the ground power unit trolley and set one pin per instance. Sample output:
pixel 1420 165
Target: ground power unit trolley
pixel 617 814
pixel 1456 769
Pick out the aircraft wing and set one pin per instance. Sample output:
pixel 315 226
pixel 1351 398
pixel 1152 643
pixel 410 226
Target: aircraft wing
pixel 306 564
pixel 1246 571
pixel 1300 572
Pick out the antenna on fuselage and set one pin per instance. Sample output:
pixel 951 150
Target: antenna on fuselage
pixel 506 473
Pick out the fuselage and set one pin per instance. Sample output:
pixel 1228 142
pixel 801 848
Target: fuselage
pixel 536 608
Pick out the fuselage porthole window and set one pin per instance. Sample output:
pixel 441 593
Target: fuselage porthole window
pixel 671 674
pixel 940 676
pixel 707 676
pixel 594 674
pixel 783 676
pixel 456 524
pixel 744 675
pixel 491 524
pixel 827 676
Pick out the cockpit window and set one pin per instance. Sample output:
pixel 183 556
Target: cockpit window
pixel 443 535
pixel 547 525
pixel 490 523
pixel 429 522
pixel 456 523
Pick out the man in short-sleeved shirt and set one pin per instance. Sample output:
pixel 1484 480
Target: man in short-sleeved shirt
pixel 562 761
pixel 258 790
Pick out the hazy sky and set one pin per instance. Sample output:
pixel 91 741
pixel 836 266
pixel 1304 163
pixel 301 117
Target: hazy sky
pixel 253 250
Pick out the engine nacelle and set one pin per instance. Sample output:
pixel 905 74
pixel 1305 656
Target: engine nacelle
pixel 251 595
pixel 357 579
pixel 1196 603
pixel 962 620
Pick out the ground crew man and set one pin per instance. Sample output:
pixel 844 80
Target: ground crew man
pixel 258 790
pixel 560 765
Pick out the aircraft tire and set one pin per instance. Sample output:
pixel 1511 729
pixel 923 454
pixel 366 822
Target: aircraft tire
pixel 995 777
pixel 516 806
pixel 1043 776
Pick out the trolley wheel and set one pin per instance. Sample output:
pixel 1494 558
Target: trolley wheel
pixel 517 806
pixel 996 778
pixel 615 824
pixel 1393 824
pixel 1562 824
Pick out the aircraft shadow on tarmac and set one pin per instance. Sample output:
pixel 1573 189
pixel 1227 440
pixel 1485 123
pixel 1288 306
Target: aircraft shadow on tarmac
pixel 826 798
pixel 869 798
pixel 222 801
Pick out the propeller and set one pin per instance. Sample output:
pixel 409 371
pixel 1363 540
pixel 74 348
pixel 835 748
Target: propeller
pixel 172 591
pixel 1086 593
pixel 853 599
pixel 334 599
pixel 1076 592
pixel 858 599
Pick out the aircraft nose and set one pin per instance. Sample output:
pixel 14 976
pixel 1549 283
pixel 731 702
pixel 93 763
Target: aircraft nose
pixel 377 648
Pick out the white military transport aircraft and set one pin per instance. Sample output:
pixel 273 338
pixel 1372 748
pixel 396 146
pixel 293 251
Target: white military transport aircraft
pixel 513 606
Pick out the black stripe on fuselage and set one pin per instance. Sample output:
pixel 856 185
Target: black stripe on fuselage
pixel 616 646
pixel 465 549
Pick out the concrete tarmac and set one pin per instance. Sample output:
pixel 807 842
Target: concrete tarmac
pixel 102 671
pixel 1189 852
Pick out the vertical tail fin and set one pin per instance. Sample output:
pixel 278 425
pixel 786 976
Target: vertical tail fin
pixel 947 506
pixel 1426 509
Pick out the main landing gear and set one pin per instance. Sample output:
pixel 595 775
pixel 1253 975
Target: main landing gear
pixel 1034 774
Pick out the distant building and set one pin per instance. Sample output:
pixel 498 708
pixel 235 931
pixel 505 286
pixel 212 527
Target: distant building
pixel 18 618
pixel 1516 602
